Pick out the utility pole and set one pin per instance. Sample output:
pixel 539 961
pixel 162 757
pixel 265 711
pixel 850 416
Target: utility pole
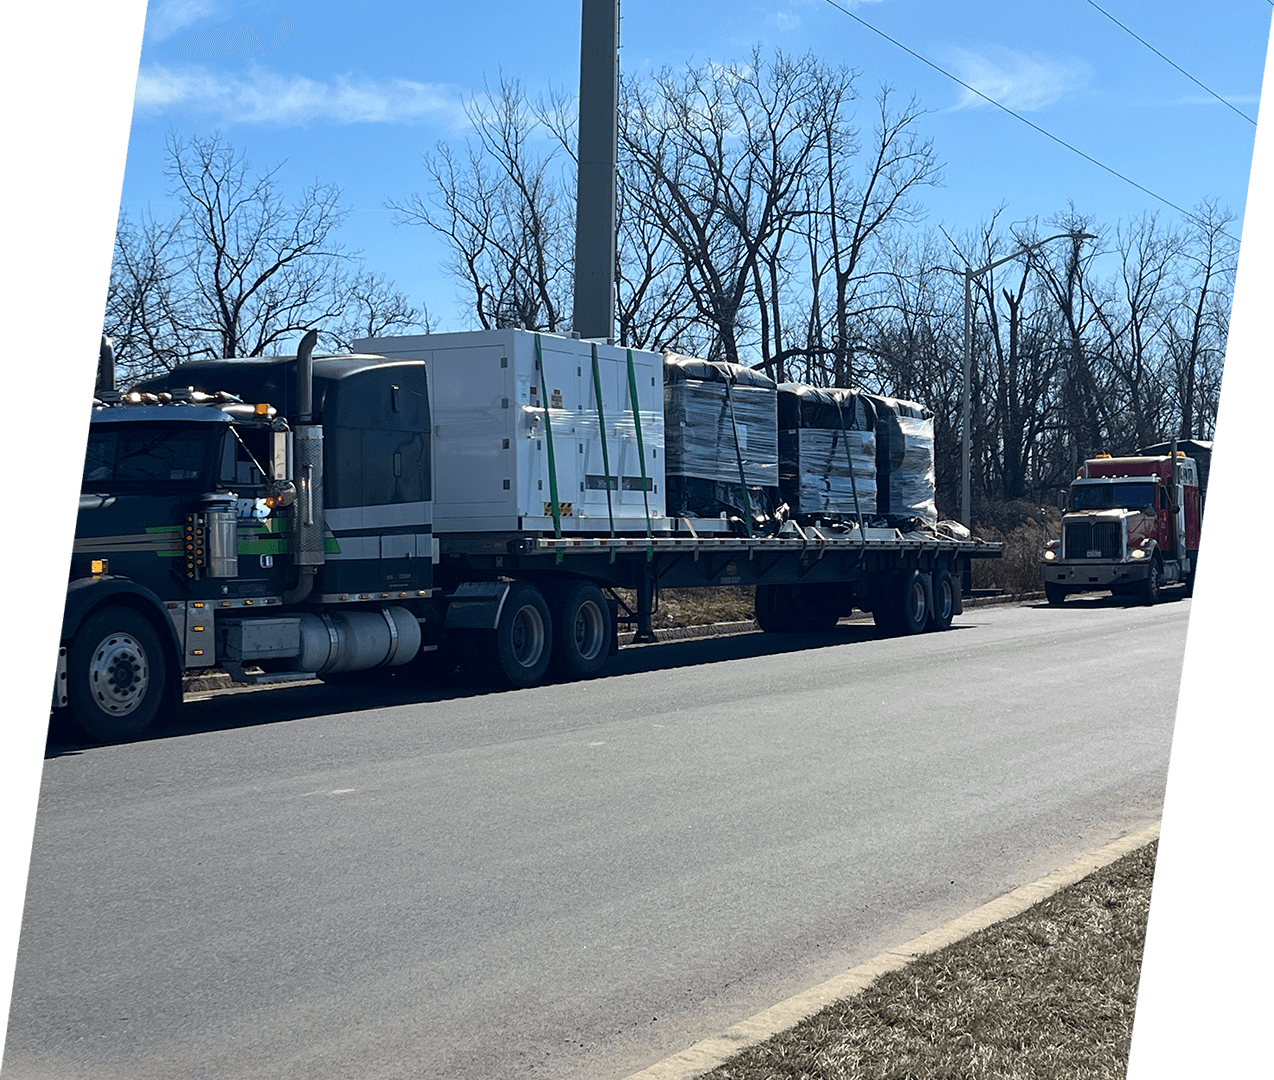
pixel 594 306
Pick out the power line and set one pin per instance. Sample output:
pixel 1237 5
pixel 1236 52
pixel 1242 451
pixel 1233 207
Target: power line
pixel 1018 116
pixel 1178 67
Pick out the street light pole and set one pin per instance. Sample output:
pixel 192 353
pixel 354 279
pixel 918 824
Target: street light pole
pixel 966 406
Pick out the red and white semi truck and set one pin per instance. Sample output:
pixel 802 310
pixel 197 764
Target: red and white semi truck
pixel 1131 524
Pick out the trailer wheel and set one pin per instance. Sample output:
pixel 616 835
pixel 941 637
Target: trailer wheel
pixel 519 648
pixel 1054 593
pixel 775 610
pixel 787 609
pixel 902 605
pixel 581 632
pixel 943 601
pixel 116 674
pixel 764 604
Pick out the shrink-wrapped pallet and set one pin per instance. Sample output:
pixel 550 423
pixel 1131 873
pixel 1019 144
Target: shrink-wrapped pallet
pixel 904 459
pixel 827 453
pixel 721 440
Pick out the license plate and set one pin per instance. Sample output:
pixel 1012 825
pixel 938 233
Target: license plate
pixel 1094 554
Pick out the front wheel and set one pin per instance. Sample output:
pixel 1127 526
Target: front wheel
pixel 1054 593
pixel 1150 587
pixel 116 675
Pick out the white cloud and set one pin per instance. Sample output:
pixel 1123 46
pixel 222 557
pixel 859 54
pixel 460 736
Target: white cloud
pixel 788 19
pixel 164 18
pixel 1024 82
pixel 265 97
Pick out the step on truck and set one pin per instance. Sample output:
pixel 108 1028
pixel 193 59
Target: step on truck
pixel 499 500
pixel 1131 524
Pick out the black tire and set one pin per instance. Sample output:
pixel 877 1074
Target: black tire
pixel 944 601
pixel 915 603
pixel 775 610
pixel 790 609
pixel 764 604
pixel 518 650
pixel 1148 593
pixel 116 675
pixel 582 631
pixel 1054 593
pixel 902 606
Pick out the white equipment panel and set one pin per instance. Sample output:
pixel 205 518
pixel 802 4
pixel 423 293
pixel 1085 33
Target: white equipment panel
pixel 492 410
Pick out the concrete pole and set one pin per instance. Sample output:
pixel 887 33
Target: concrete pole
pixel 594 305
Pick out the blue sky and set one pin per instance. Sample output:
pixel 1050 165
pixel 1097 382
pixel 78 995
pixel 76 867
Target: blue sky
pixel 353 97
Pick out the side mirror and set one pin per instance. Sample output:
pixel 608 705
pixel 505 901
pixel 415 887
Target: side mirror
pixel 280 455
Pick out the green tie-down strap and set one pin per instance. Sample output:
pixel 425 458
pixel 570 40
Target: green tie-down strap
pixel 641 453
pixel 548 437
pixel 853 486
pixel 601 429
pixel 738 457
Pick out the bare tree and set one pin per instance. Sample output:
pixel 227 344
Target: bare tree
pixel 1088 411
pixel 718 157
pixel 859 210
pixel 1199 328
pixel 258 270
pixel 1133 317
pixel 374 308
pixel 507 217
pixel 143 300
pixel 238 270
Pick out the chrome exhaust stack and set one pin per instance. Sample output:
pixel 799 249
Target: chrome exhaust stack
pixel 308 445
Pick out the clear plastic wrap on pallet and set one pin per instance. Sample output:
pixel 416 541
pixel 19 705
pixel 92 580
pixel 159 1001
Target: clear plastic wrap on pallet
pixel 905 478
pixel 816 426
pixel 720 419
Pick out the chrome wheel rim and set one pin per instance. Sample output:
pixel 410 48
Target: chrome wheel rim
pixel 119 674
pixel 527 636
pixel 590 631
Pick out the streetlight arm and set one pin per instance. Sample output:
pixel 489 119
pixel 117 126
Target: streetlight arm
pixel 1025 249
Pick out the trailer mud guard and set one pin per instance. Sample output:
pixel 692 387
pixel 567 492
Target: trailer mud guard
pixel 476 605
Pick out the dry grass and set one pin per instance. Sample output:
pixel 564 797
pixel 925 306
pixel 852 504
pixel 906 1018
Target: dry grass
pixel 1018 570
pixel 699 607
pixel 1047 994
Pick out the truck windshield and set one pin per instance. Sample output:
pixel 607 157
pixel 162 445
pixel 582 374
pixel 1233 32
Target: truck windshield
pixel 154 456
pixel 1124 494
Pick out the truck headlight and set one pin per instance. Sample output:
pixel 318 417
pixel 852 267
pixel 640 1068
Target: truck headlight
pixel 1137 553
pixel 1050 555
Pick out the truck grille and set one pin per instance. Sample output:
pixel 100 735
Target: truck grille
pixel 1081 538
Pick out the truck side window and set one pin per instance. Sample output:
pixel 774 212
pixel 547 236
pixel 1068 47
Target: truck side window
pixel 244 452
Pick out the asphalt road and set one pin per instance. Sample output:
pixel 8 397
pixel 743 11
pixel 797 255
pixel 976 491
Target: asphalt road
pixel 571 881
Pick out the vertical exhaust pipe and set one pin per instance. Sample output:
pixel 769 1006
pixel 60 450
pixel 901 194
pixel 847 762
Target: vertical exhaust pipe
pixel 305 378
pixel 106 367
pixel 308 551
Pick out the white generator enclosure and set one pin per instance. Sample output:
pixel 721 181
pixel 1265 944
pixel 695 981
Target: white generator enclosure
pixel 515 413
